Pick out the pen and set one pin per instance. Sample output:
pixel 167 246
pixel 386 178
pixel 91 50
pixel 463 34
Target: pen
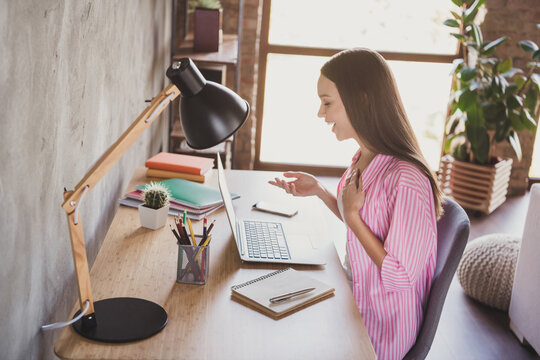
pixel 205 221
pixel 183 233
pixel 207 241
pixel 178 226
pixel 280 298
pixel 176 234
pixel 191 231
pixel 210 228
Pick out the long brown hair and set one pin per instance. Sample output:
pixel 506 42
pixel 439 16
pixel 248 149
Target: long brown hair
pixel 369 93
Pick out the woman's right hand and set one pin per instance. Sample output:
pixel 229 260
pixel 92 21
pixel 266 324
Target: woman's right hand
pixel 304 185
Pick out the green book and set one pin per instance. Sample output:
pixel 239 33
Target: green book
pixel 192 194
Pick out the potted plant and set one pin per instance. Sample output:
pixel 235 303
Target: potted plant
pixel 490 102
pixel 208 20
pixel 153 212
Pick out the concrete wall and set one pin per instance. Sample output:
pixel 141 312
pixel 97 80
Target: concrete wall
pixel 73 76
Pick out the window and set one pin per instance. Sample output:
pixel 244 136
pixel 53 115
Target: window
pixel 299 36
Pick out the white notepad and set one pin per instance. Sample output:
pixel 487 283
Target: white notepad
pixel 258 292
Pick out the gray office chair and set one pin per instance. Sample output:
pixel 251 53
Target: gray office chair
pixel 452 235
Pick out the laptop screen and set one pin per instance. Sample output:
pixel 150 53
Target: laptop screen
pixel 226 195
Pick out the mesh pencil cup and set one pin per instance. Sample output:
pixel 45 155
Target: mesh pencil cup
pixel 193 264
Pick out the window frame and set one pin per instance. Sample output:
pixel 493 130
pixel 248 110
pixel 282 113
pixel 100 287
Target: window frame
pixel 265 48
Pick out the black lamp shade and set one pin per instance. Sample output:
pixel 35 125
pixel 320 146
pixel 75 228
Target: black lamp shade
pixel 210 113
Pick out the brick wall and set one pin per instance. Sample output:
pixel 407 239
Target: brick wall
pixel 516 19
pixel 244 148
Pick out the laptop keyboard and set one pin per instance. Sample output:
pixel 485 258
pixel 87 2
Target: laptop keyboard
pixel 266 240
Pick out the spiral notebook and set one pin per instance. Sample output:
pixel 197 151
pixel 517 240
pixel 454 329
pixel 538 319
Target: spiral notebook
pixel 258 292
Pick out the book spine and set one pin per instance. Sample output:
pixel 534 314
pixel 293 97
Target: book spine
pixel 174 167
pixel 173 174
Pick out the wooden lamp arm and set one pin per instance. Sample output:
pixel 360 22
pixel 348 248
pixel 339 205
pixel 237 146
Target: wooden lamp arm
pixel 92 177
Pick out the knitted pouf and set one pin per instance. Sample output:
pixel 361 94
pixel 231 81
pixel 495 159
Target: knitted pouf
pixel 487 267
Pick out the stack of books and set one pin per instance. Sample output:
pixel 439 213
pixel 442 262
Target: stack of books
pixel 196 200
pixel 169 165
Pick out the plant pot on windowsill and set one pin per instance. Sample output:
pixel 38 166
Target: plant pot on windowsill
pixel 153 213
pixel 474 186
pixel 207 29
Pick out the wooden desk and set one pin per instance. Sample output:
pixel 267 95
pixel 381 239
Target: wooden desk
pixel 204 322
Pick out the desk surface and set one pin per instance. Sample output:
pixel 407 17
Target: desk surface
pixel 204 322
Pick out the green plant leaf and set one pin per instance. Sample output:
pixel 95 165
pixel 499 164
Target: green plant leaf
pixel 448 143
pixel 457 65
pixel 514 102
pixel 467 99
pixel 477 35
pixel 515 121
pixel 456 15
pixel 513 139
pixel 528 45
pixel 535 78
pixel 527 120
pixel 467 74
pixel 511 89
pixel 489 48
pixel 451 22
pixel 504 66
pixel 458 2
pixel 501 131
pixel 536 55
pixel 494 111
pixel 519 81
pixel 531 100
pixel 479 140
pixel 503 83
pixel 512 72
pixel 460 37
pixel 470 13
pixel 475 116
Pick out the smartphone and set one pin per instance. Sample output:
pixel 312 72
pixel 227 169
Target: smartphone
pixel 273 208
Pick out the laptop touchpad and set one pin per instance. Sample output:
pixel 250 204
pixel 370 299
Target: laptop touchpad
pixel 300 242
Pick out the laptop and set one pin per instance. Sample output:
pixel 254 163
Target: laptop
pixel 269 241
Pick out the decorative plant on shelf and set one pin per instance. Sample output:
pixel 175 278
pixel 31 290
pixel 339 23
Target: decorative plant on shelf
pixel 207 23
pixel 491 100
pixel 153 212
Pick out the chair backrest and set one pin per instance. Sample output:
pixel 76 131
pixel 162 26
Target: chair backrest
pixel 452 235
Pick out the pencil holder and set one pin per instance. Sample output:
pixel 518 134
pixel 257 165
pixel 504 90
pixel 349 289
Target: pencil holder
pixel 193 264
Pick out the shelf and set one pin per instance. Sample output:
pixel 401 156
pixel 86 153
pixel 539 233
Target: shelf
pixel 227 54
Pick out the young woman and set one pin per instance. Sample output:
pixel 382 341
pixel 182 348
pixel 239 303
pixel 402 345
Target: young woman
pixel 388 198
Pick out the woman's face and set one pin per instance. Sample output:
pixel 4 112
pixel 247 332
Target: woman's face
pixel 333 111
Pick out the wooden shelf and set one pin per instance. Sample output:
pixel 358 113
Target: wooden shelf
pixel 227 54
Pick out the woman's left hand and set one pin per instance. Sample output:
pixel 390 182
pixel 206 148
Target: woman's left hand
pixel 353 196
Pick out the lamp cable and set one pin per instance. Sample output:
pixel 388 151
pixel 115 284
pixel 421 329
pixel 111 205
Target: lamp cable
pixel 63 324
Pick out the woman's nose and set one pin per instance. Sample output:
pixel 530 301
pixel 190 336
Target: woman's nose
pixel 321 112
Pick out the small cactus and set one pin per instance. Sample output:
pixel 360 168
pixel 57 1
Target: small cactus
pixel 156 195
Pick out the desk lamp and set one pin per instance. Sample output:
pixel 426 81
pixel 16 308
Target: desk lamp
pixel 210 113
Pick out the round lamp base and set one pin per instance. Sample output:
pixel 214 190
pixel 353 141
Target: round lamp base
pixel 120 320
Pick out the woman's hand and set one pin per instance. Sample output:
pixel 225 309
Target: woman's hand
pixel 353 196
pixel 304 185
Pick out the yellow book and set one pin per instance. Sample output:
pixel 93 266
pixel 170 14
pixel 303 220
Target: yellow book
pixel 165 174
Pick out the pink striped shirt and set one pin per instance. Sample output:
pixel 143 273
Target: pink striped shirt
pixel 400 211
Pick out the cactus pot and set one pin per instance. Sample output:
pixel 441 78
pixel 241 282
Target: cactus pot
pixel 153 218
